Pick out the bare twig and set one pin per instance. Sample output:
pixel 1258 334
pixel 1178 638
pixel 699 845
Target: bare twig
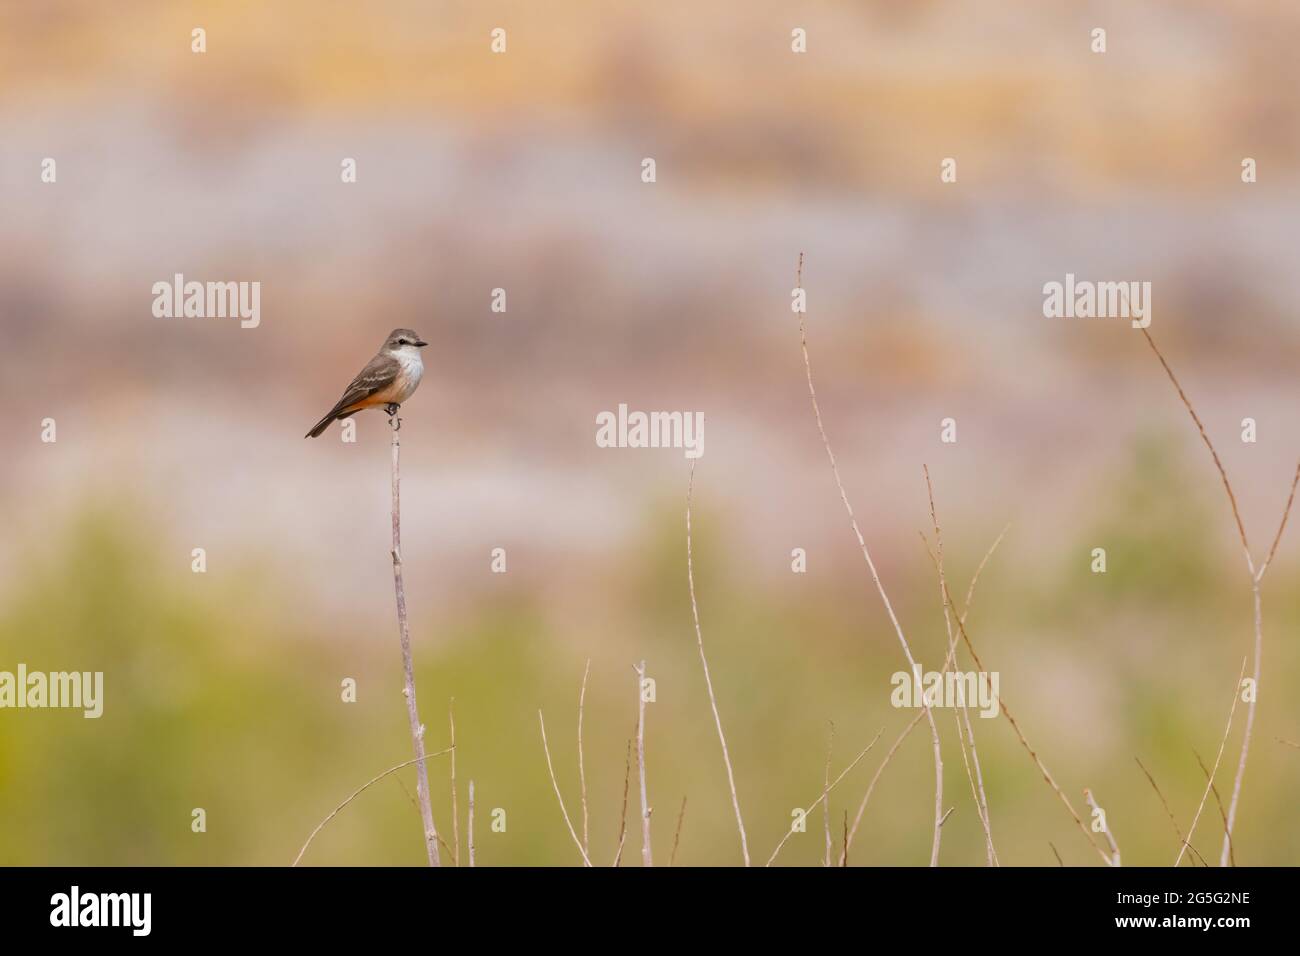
pixel 415 804
pixel 1232 858
pixel 1256 576
pixel 826 807
pixel 1059 861
pixel 582 772
pixel 1236 692
pixel 871 566
pixel 622 827
pixel 825 791
pixel 558 796
pixel 975 775
pixel 471 823
pixel 1033 755
pixel 1286 513
pixel 1223 474
pixel 646 857
pixel 455 813
pixel 1110 838
pixel 862 807
pixel 970 591
pixel 408 666
pixel 704 662
pixel 1168 812
pixel 360 790
pixel 677 836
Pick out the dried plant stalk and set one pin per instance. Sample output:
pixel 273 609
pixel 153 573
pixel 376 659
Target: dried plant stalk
pixel 967 738
pixel 646 857
pixel 408 666
pixel 1256 576
pixel 471 823
pixel 704 662
pixel 825 791
pixel 582 770
pixel 871 566
pixel 558 796
pixel 356 793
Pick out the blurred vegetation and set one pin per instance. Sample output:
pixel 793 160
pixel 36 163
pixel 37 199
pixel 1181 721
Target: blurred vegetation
pixel 220 694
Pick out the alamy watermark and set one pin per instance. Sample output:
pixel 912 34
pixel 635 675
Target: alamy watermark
pixel 208 300
pixel 977 689
pixel 626 429
pixel 75 908
pixel 82 690
pixel 1083 299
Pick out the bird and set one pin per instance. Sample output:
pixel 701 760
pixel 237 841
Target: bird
pixel 388 379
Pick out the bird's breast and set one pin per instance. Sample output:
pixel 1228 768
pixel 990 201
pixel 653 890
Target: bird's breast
pixel 410 371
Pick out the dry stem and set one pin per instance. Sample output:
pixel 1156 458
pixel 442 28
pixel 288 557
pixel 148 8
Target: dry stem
pixel 582 772
pixel 408 667
pixel 558 796
pixel 826 790
pixel 889 608
pixel 1236 692
pixel 1255 577
pixel 646 857
pixel 704 662
pixel 360 790
pixel 677 836
pixel 622 827
pixel 455 813
pixel 471 823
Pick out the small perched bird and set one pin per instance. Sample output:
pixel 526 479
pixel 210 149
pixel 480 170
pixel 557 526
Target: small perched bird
pixel 388 379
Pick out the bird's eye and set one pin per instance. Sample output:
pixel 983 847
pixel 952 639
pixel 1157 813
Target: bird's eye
pixel 403 342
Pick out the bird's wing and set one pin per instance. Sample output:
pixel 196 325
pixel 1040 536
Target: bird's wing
pixel 378 374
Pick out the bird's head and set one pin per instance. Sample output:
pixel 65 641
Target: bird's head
pixel 404 341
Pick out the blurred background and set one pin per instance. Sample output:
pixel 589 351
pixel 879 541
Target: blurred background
pixel 521 171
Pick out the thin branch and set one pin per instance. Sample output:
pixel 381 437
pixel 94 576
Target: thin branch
pixel 1223 474
pixel 862 807
pixel 455 813
pixel 1110 838
pixel 1232 858
pixel 1059 861
pixel 677 836
pixel 826 807
pixel 646 857
pixel 1033 755
pixel 1277 538
pixel 408 666
pixel 825 791
pixel 356 793
pixel 582 772
pixel 704 662
pixel 889 608
pixel 558 796
pixel 1255 575
pixel 975 775
pixel 622 827
pixel 471 823
pixel 1164 803
pixel 970 591
pixel 1236 693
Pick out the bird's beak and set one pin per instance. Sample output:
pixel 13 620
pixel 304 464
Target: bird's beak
pixel 419 344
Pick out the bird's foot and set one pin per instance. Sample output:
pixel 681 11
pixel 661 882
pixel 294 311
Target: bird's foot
pixel 394 421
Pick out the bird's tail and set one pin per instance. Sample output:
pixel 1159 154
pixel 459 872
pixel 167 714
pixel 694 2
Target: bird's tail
pixel 323 424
